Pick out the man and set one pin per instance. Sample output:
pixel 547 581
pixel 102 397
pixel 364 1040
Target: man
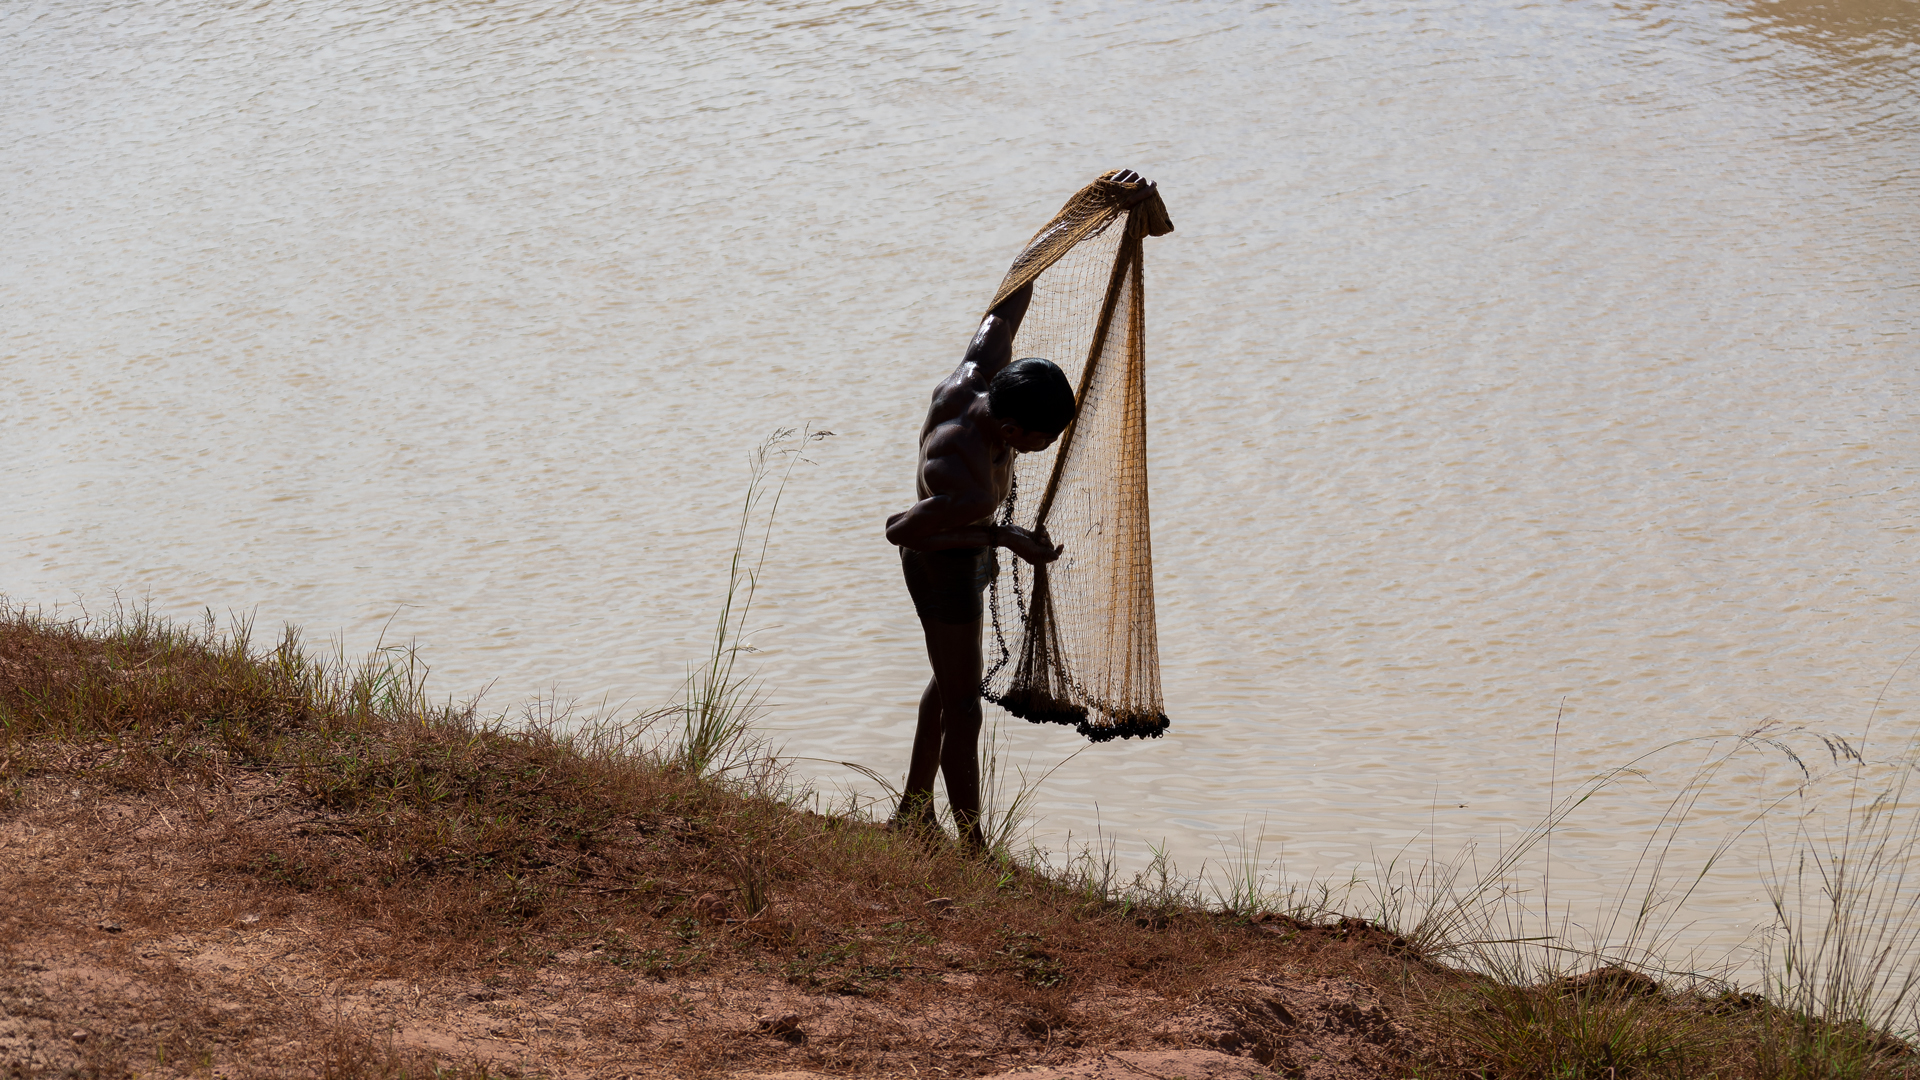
pixel 982 414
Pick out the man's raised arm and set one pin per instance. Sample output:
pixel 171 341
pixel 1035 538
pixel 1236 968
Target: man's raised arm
pixel 992 345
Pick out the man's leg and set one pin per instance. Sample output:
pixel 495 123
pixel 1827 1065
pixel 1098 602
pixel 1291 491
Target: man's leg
pixel 916 803
pixel 954 651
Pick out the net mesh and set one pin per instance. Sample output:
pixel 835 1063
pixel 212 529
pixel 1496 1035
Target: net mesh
pixel 1073 641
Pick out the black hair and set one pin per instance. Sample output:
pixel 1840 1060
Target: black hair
pixel 1033 393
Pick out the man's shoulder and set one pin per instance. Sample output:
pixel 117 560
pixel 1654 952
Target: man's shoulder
pixel 952 398
pixel 964 381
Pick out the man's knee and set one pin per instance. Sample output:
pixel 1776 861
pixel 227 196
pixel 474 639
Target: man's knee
pixel 960 714
pixel 957 691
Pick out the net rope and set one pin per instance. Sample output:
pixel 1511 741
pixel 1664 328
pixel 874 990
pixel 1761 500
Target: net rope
pixel 1074 641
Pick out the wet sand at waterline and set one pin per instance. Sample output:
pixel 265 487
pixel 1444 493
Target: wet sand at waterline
pixel 1513 369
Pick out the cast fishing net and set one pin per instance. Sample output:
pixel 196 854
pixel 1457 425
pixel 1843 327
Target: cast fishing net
pixel 1073 641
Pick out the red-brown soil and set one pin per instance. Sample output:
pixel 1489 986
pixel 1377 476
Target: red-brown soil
pixel 129 945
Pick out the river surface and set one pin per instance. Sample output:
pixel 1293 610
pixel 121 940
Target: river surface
pixel 1531 384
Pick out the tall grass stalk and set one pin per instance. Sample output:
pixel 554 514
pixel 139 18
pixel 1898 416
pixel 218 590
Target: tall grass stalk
pixel 1836 969
pixel 1489 918
pixel 1240 887
pixel 1007 798
pixel 1846 946
pixel 718 703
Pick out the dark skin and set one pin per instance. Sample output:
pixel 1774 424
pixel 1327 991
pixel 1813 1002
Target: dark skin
pixel 966 465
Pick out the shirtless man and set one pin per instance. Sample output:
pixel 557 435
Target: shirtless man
pixel 982 414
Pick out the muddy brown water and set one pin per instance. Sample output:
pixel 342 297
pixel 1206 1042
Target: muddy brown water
pixel 1531 385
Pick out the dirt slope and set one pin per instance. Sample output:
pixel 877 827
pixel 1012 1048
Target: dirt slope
pixel 129 946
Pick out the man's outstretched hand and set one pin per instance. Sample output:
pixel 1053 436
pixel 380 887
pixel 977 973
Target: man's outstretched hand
pixel 1138 195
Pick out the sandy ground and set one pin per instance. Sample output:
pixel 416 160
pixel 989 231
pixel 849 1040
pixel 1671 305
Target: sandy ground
pixel 122 953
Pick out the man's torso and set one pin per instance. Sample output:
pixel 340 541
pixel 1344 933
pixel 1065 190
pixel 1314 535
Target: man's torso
pixel 949 429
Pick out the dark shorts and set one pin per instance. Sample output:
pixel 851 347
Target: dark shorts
pixel 946 585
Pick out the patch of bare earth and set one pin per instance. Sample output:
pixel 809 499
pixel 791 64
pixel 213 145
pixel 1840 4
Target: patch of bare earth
pixel 130 944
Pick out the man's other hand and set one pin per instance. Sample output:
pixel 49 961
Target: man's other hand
pixel 1034 547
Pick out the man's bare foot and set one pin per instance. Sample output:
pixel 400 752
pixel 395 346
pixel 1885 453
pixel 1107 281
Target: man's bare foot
pixel 916 818
pixel 925 833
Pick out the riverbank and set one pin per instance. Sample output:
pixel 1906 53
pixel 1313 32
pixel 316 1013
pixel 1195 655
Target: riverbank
pixel 217 859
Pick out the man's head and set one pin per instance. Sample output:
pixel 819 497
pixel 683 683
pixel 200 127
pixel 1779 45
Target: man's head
pixel 1033 402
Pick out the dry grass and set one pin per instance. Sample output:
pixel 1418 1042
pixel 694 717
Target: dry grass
pixel 311 869
pixel 334 796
